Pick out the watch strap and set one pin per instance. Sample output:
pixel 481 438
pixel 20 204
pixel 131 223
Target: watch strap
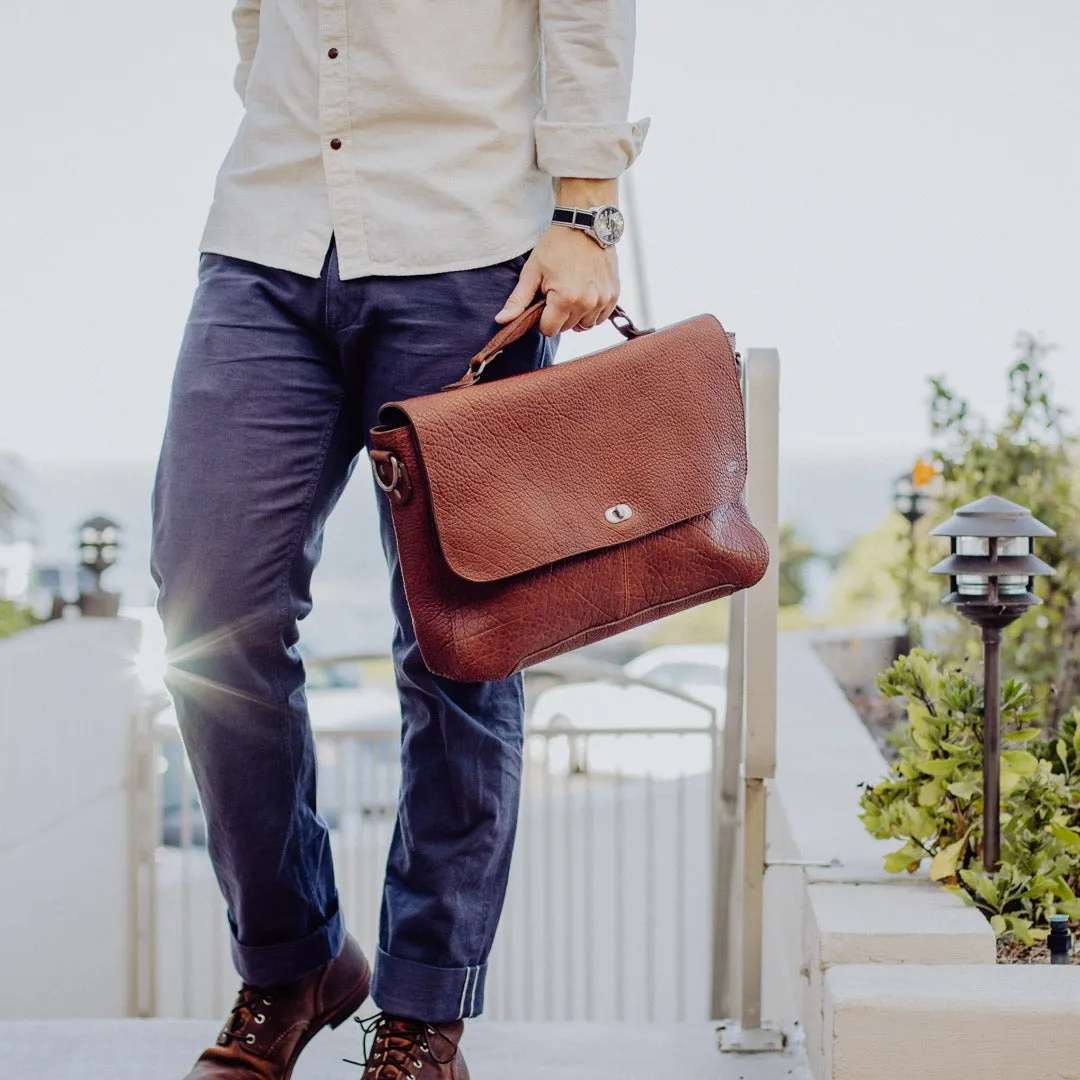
pixel 571 215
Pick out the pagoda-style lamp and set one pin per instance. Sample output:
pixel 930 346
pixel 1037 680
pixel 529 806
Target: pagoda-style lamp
pixel 912 500
pixel 99 546
pixel 992 570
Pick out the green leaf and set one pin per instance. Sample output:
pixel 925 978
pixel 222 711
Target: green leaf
pixel 931 792
pixel 1062 889
pixel 919 717
pixel 943 865
pixel 957 749
pixel 897 861
pixel 1037 887
pixel 1021 929
pixel 965 789
pixel 998 924
pixel 960 891
pixel 1062 753
pixel 1069 837
pixel 1021 734
pixel 939 767
pixel 920 668
pixel 982 885
pixel 1020 761
pixel 1009 781
pixel 907 858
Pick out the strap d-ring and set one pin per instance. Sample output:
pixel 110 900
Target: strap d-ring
pixel 626 327
pixel 395 473
pixel 397 487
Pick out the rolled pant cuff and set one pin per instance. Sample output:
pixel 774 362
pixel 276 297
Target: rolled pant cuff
pixel 275 965
pixel 435 994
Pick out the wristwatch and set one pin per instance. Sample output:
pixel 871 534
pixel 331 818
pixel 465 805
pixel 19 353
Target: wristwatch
pixel 604 224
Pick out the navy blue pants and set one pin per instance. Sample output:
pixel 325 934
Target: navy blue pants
pixel 278 381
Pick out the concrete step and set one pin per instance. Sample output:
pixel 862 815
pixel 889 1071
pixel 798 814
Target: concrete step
pixel 952 1022
pixel 165 1050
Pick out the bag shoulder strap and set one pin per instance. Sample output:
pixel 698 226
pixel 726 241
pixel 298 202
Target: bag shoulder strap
pixel 525 322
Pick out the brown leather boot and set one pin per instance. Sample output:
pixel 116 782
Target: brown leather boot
pixel 268 1027
pixel 404 1049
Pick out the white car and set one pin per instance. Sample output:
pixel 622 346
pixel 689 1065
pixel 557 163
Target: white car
pixel 678 687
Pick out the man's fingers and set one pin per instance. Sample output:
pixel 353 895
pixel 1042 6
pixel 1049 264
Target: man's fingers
pixel 563 312
pixel 559 314
pixel 521 296
pixel 607 310
pixel 594 310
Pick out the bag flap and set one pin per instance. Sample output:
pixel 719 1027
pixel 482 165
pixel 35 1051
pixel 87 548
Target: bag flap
pixel 534 468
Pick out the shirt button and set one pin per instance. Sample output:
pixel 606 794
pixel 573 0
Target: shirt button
pixel 335 144
pixel 333 54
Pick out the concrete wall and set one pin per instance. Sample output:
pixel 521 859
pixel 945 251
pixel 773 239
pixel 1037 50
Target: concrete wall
pixel 953 1022
pixel 855 656
pixel 891 976
pixel 67 691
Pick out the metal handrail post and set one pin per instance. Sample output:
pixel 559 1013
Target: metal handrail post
pixel 727 766
pixel 762 383
pixel 144 829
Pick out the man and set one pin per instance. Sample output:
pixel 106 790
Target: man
pixel 389 199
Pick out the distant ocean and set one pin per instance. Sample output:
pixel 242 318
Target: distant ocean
pixel 832 500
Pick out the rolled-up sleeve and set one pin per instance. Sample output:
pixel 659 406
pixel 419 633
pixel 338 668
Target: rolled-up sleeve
pixel 246 20
pixel 588 49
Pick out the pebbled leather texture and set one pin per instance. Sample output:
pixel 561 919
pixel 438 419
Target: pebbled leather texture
pixel 511 521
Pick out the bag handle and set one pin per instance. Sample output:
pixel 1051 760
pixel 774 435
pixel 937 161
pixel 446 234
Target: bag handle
pixel 525 322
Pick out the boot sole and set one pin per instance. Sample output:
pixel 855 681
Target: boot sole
pixel 334 1018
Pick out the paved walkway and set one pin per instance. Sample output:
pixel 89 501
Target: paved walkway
pixel 165 1049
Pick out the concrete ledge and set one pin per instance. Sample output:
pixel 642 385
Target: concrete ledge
pixel 881 924
pixel 1016 1022
pixel 852 912
pixel 823 753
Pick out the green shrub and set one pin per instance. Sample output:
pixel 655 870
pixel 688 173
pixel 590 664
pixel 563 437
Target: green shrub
pixel 14 618
pixel 1032 457
pixel 932 801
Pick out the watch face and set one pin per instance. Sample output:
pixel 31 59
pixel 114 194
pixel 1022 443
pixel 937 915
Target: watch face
pixel 609 224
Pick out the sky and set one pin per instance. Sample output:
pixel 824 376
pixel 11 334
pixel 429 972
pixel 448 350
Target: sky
pixel 881 191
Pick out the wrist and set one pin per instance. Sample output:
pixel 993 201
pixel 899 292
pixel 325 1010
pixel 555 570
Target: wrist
pixel 583 192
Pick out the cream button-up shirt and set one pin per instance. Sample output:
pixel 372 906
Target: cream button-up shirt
pixel 425 135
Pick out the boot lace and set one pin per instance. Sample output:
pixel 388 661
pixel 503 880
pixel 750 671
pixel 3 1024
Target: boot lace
pixel 246 1010
pixel 396 1045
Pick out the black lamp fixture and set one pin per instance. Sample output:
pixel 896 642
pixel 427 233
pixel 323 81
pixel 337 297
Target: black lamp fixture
pixel 99 547
pixel 992 571
pixel 911 499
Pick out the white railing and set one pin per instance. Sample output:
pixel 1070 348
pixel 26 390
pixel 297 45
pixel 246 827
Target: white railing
pixel 608 899
pixel 748 752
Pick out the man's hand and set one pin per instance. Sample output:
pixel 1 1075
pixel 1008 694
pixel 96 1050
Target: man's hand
pixel 579 278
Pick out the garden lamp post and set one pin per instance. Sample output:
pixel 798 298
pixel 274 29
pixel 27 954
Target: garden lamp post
pixel 912 501
pixel 99 545
pixel 992 570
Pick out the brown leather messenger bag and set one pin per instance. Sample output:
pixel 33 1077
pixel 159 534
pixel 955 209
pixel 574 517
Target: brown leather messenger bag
pixel 542 511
